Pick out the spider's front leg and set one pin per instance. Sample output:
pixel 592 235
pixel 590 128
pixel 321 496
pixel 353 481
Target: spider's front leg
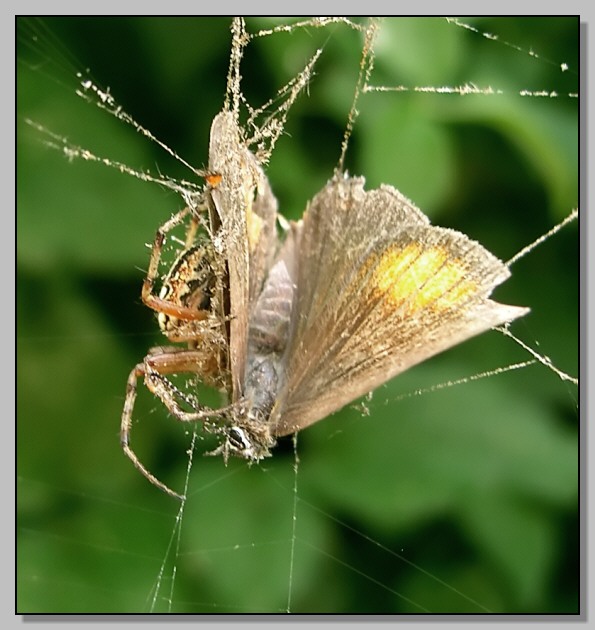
pixel 155 366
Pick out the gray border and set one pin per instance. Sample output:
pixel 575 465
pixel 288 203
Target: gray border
pixel 586 235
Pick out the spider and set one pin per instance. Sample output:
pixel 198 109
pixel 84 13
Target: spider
pixel 205 300
pixel 190 309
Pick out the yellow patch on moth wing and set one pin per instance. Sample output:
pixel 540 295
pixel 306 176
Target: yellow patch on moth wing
pixel 417 277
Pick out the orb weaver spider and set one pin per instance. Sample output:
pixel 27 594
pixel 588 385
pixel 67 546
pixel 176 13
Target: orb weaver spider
pixel 189 309
pixel 205 300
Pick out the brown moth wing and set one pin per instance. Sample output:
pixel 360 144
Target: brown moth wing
pixel 262 233
pixel 247 209
pixel 379 290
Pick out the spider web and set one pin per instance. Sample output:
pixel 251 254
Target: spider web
pixel 393 504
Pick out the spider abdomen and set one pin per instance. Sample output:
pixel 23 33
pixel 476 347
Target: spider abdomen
pixel 189 283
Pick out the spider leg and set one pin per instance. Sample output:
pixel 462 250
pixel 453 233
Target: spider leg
pixel 125 429
pixel 164 360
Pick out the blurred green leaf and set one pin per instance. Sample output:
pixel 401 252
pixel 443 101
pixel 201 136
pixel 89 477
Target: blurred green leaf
pixel 475 484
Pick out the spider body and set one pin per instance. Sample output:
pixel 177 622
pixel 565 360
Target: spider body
pixel 190 284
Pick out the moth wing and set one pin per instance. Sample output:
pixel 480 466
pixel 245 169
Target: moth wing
pixel 245 205
pixel 378 290
pixel 262 233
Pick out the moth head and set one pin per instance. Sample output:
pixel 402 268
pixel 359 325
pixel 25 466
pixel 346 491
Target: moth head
pixel 248 444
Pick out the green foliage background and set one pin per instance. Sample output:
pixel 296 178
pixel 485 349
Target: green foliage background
pixel 476 484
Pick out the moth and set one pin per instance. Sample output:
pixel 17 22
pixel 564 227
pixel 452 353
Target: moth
pixel 294 327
